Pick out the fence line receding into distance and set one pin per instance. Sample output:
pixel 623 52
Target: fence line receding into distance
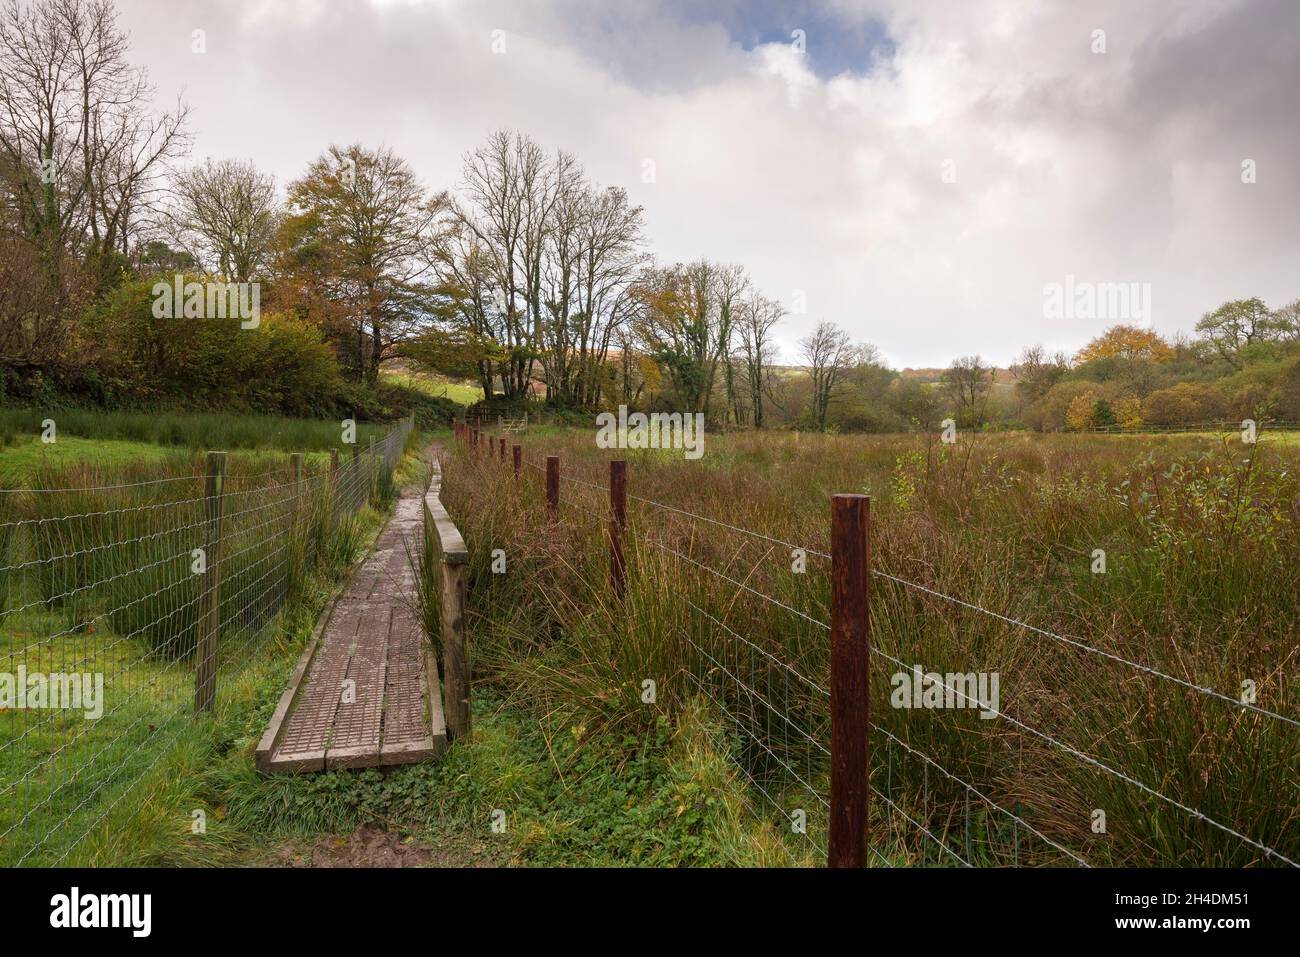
pixel 803 737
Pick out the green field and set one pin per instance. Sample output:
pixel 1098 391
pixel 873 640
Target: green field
pixel 138 445
pixel 437 386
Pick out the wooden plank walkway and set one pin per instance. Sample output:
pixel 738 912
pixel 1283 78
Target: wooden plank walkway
pixel 366 690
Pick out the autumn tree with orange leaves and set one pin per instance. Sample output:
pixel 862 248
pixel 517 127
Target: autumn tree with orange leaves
pixel 1126 342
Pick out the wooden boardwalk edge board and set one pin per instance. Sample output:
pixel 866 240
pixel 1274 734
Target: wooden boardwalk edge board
pixel 450 542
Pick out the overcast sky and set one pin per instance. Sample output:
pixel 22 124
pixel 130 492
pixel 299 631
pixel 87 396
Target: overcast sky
pixel 918 173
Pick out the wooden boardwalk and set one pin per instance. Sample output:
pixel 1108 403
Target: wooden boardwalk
pixel 366 691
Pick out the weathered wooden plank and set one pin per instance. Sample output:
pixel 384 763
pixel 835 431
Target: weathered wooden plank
pixel 451 546
pixel 455 654
pixel 271 737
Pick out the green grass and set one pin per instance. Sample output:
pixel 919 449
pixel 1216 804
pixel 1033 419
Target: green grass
pixel 664 795
pixel 155 826
pixel 137 446
pixel 662 800
pixel 1203 547
pixel 26 455
pixel 189 430
pixel 437 386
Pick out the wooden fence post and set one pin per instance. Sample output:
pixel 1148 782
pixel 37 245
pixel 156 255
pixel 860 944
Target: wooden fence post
pixel 617 526
pixel 850 653
pixel 850 663
pixel 553 486
pixel 517 454
pixel 372 468
pixel 356 473
pixel 334 485
pixel 295 469
pixel 503 450
pixel 205 669
pixel 454 654
pixel 451 578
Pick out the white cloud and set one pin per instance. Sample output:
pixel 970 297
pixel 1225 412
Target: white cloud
pixel 1122 166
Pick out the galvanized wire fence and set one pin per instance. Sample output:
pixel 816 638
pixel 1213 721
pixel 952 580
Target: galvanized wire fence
pixel 128 608
pixel 756 617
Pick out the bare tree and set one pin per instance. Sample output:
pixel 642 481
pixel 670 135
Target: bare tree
pixel 226 217
pixel 593 256
pixel 757 318
pixel 967 382
pixel 829 355
pixel 511 193
pixel 76 124
pixel 81 150
pixel 1036 372
pixel 732 284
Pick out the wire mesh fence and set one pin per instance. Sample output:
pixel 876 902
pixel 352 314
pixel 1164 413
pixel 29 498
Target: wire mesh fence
pixel 756 620
pixel 1269 425
pixel 117 598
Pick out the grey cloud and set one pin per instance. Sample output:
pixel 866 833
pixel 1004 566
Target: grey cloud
pixel 1116 167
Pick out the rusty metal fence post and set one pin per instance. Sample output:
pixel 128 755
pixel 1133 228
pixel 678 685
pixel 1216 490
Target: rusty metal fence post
pixel 553 487
pixel 517 454
pixel 850 664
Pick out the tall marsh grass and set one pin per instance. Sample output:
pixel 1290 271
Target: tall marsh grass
pixel 1202 572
